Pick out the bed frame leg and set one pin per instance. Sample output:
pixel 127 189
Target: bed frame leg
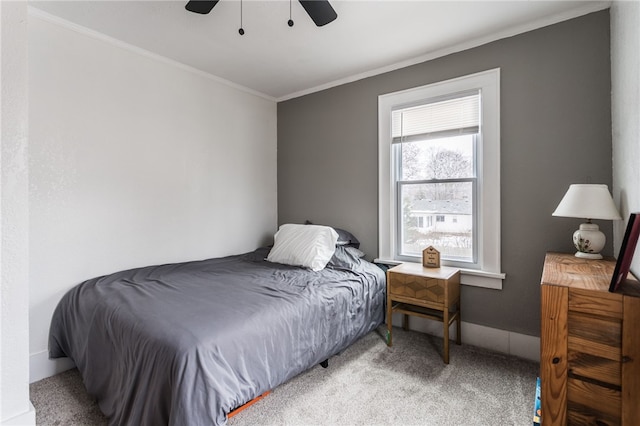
pixel 325 363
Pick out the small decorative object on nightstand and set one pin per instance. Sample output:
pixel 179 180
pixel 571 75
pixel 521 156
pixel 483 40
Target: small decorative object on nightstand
pixel 430 257
pixel 428 293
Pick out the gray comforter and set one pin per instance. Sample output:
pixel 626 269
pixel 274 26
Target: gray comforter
pixel 184 344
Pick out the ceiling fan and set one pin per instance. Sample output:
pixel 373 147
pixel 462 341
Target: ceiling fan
pixel 320 11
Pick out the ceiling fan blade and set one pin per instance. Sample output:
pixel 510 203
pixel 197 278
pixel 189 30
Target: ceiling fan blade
pixel 320 11
pixel 200 6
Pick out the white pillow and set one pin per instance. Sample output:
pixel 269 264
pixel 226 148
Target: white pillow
pixel 310 246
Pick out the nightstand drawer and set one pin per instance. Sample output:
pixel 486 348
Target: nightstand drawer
pixel 416 287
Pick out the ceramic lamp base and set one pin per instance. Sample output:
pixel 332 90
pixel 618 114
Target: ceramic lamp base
pixel 589 241
pixel 588 255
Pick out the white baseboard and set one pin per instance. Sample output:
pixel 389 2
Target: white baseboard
pixel 24 419
pixel 503 341
pixel 41 367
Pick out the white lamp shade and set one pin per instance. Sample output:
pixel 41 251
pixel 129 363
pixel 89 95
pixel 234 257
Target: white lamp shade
pixel 588 201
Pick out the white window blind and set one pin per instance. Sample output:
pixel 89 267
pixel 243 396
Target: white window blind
pixel 440 118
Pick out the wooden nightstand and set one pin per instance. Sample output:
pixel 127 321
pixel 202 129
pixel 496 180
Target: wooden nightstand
pixel 432 293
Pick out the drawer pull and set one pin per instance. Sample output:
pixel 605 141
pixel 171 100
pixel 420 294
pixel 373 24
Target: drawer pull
pixel 555 360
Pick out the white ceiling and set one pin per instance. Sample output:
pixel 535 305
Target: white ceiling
pixel 279 62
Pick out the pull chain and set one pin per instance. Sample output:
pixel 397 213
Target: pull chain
pixel 290 20
pixel 241 30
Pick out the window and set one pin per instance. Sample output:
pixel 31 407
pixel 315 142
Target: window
pixel 439 153
pixel 434 158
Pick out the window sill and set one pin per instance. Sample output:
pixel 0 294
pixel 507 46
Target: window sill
pixel 470 277
pixel 482 279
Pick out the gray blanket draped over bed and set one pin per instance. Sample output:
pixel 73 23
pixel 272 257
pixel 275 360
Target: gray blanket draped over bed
pixel 184 344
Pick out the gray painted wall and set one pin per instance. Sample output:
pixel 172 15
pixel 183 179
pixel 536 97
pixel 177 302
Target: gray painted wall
pixel 556 130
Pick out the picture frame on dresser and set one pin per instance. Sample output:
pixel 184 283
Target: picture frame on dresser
pixel 627 249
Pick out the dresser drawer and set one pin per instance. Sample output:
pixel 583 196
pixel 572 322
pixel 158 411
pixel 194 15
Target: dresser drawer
pixel 595 335
pixel 601 304
pixel 594 348
pixel 593 367
pixel 590 404
pixel 416 287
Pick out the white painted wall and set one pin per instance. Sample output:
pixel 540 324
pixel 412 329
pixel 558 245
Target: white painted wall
pixel 15 407
pixel 134 161
pixel 625 112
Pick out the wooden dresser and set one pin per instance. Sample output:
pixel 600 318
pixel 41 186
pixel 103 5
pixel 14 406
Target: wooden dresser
pixel 589 344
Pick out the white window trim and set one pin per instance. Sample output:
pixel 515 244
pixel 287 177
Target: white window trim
pixel 488 274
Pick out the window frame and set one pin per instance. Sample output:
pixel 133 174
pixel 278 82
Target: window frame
pixel 486 271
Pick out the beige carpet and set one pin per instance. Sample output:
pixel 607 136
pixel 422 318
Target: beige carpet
pixel 368 384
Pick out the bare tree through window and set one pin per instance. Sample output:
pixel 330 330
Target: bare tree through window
pixel 436 188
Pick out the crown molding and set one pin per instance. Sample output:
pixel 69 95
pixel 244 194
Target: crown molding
pixel 591 7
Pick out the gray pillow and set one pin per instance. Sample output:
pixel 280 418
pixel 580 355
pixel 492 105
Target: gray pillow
pixel 345 238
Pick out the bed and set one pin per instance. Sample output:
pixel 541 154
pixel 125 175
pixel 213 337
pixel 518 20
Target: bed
pixel 186 343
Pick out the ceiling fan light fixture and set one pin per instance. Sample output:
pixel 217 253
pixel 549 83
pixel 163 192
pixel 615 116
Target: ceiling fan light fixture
pixel 200 6
pixel 320 11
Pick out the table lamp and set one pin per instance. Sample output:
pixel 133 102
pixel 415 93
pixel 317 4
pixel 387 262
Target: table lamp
pixel 588 201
